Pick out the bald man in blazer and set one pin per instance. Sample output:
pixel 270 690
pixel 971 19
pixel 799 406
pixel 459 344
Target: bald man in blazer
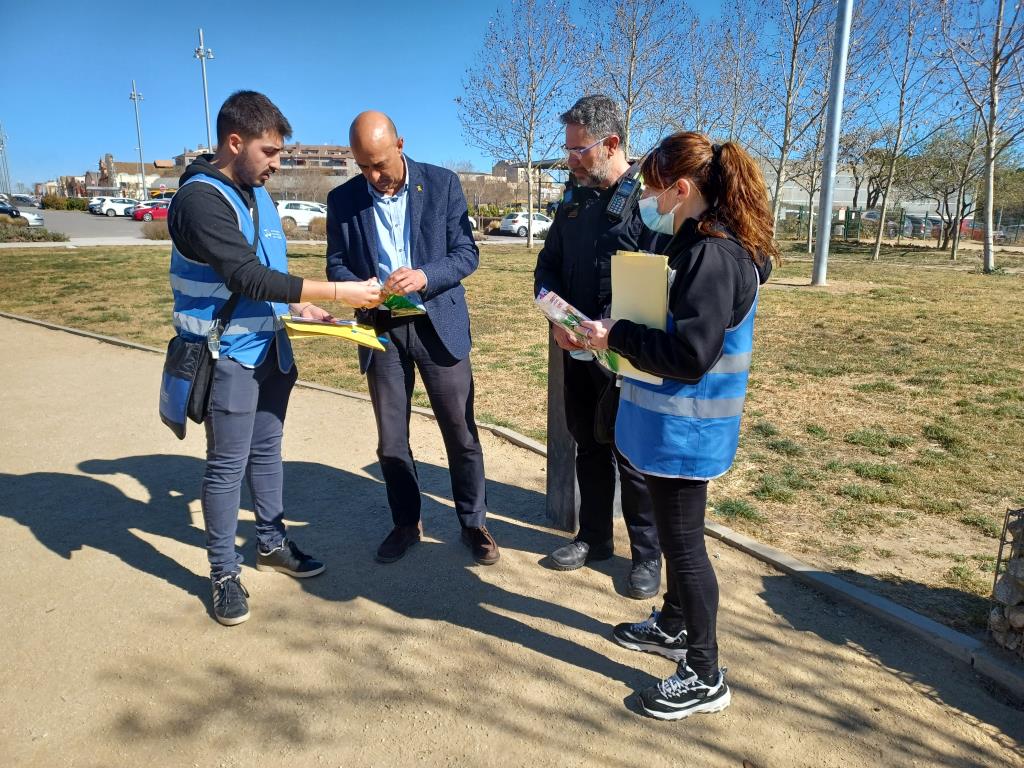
pixel 406 223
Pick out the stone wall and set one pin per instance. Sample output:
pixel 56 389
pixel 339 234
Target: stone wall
pixel 1006 620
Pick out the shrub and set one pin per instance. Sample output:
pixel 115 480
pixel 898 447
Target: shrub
pixel 288 227
pixel 156 230
pixel 23 234
pixel 318 228
pixel 12 221
pixel 76 203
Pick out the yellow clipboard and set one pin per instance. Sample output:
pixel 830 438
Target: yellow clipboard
pixel 640 294
pixel 301 328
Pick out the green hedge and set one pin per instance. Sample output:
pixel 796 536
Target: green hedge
pixel 58 203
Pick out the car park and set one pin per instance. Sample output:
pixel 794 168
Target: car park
pixel 157 209
pixel 517 224
pixel 300 212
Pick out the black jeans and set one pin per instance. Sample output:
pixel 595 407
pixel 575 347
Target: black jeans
pixel 449 384
pixel 691 602
pixel 595 469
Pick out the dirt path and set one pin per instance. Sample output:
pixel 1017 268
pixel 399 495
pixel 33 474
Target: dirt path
pixel 111 659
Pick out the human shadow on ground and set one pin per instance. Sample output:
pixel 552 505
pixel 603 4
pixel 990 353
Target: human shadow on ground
pixel 929 670
pixel 339 516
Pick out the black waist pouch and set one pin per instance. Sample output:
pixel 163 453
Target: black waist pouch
pixel 188 375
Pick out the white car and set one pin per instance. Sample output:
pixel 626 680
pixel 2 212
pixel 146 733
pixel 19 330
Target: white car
pixel 112 206
pixel 33 219
pixel 517 223
pixel 300 212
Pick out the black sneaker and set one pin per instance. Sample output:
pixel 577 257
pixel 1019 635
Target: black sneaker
pixel 289 559
pixel 644 580
pixel 648 636
pixel 684 694
pixel 230 606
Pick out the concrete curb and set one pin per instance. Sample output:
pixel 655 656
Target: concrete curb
pixel 988 661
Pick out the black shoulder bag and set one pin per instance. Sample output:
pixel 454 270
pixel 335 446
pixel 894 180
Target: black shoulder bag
pixel 188 374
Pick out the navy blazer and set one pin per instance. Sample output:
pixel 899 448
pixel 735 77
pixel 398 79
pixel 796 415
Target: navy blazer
pixel 440 239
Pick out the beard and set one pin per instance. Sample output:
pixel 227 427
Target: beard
pixel 597 175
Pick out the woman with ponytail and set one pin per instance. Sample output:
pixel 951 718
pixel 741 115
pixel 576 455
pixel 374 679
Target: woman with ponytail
pixel 682 433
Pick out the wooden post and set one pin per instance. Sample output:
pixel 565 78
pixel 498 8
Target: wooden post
pixel 562 504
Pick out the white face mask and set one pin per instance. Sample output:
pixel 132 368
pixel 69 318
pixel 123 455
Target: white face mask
pixel 663 223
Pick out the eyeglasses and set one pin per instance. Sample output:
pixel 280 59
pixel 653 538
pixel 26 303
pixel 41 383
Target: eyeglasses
pixel 579 152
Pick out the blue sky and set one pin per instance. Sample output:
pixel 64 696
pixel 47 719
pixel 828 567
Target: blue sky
pixel 321 62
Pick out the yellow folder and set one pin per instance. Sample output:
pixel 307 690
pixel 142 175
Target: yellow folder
pixel 640 294
pixel 300 328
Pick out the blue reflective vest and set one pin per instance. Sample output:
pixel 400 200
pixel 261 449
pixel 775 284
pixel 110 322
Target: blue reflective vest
pixel 200 293
pixel 690 431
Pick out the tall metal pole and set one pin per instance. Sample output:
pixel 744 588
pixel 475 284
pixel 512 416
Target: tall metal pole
pixel 136 97
pixel 837 87
pixel 5 174
pixel 203 53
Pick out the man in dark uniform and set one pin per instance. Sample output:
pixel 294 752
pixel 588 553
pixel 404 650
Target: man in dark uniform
pixel 575 263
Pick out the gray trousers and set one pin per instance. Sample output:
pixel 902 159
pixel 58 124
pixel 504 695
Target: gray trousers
pixel 244 426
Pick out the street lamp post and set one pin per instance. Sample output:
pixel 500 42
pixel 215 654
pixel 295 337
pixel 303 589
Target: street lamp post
pixel 136 97
pixel 203 53
pixel 5 173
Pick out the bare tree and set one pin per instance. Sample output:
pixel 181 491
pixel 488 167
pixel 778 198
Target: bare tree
pixel 856 157
pixel 739 26
pixel 518 83
pixel 984 42
pixel 943 171
pixel 795 68
pixel 636 46
pixel 910 63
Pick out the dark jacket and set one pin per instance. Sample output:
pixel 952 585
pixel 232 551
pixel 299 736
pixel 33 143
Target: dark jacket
pixel 204 228
pixel 714 286
pixel 575 261
pixel 441 241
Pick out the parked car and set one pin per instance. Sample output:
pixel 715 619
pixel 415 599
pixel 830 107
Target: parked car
pixel 157 209
pixel 114 206
pixel 517 223
pixel 33 218
pixel 300 212
pixel 25 200
pixel 142 204
pixel 6 209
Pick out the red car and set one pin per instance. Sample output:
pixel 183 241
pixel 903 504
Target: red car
pixel 157 210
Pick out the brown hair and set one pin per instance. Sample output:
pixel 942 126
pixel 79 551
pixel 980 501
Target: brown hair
pixel 729 180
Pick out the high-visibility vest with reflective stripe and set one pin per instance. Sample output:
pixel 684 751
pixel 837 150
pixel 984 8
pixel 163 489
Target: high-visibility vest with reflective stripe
pixel 685 430
pixel 200 293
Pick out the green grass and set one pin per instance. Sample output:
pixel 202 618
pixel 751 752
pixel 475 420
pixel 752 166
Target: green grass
pixel 890 474
pixel 737 509
pixel 983 523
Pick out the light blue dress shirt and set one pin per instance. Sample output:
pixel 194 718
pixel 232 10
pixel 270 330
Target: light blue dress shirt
pixel 394 221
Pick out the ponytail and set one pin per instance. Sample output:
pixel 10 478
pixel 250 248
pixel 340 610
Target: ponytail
pixel 731 182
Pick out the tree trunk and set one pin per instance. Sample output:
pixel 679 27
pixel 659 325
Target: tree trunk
pixel 992 137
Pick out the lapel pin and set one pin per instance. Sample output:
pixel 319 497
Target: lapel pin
pixel 419 187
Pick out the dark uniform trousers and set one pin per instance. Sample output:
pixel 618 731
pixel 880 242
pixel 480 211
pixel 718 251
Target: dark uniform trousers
pixel 449 385
pixel 595 469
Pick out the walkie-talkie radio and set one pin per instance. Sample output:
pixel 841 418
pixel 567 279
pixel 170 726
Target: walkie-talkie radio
pixel 626 194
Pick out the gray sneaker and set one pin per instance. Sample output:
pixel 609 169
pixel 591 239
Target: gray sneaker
pixel 230 606
pixel 289 559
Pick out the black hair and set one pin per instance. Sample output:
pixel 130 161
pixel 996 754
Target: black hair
pixel 250 115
